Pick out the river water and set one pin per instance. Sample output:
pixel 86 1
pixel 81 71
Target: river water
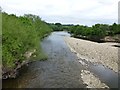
pixel 61 70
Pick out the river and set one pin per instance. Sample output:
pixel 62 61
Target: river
pixel 61 70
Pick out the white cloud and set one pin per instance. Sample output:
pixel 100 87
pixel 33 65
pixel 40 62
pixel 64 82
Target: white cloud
pixel 85 12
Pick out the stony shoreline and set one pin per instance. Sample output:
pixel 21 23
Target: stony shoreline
pixel 91 80
pixel 104 53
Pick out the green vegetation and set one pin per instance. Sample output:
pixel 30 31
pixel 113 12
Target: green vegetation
pixel 59 27
pixel 20 35
pixel 97 32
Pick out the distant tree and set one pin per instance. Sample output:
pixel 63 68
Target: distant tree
pixel 115 28
pixel 58 24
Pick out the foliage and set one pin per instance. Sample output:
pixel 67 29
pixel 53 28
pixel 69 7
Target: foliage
pixel 59 27
pixel 19 35
pixel 97 32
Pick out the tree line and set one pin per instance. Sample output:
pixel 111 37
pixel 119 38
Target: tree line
pixel 96 33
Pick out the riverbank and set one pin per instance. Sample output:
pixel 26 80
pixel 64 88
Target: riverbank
pixel 104 53
pixel 21 38
pixel 31 56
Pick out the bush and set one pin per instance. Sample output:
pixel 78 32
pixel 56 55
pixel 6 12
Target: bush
pixel 19 35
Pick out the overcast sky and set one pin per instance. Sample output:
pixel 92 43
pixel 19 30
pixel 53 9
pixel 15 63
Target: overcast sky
pixel 85 12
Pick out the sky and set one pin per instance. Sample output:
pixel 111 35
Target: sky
pixel 83 12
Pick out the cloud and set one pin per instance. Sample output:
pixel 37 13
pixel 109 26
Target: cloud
pixel 86 12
